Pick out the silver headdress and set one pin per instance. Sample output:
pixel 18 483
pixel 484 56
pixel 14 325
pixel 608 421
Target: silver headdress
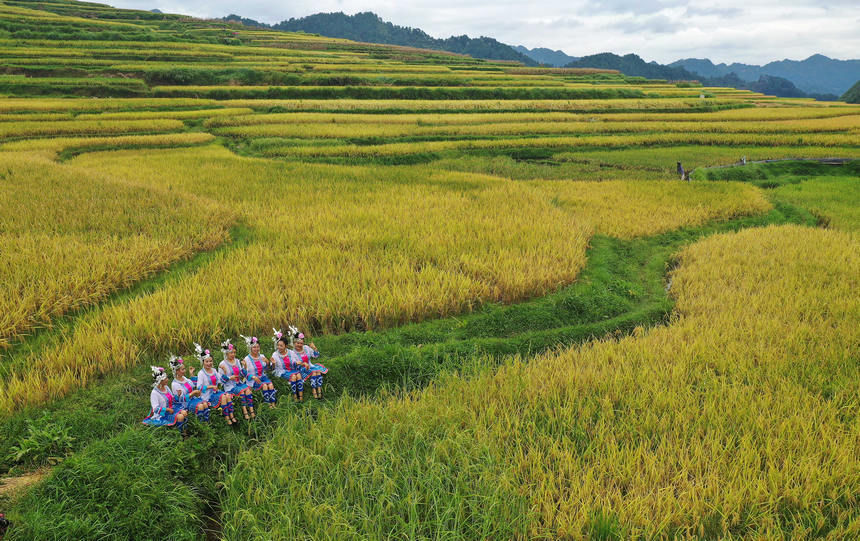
pixel 158 375
pixel 250 340
pixel 175 363
pixel 202 354
pixel 276 336
pixel 295 334
pixel 227 346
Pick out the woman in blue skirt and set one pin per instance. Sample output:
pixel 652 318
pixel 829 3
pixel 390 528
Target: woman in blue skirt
pixel 189 397
pixel 236 383
pixel 209 383
pixel 282 365
pixel 300 358
pixel 257 365
pixel 164 406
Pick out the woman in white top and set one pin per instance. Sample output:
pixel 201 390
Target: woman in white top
pixel 300 359
pixel 236 383
pixel 282 364
pixel 184 389
pixel 257 365
pixel 209 383
pixel 164 406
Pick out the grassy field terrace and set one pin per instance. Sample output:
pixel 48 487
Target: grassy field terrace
pixel 534 328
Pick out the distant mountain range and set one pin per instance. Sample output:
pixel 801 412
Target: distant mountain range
pixel 547 56
pixel 818 76
pixel 369 27
pixel 631 64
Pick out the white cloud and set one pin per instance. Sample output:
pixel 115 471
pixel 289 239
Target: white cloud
pixel 754 31
pixel 653 24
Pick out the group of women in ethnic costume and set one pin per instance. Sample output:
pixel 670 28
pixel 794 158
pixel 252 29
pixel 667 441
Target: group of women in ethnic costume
pixel 294 364
pixel 217 388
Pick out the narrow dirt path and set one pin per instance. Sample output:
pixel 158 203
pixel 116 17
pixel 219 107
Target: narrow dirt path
pixel 12 486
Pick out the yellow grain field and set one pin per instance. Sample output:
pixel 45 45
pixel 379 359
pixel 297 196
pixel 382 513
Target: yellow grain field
pixel 736 420
pixel 64 245
pixel 584 141
pixel 50 148
pixel 82 127
pixel 627 209
pixel 337 248
pixel 419 128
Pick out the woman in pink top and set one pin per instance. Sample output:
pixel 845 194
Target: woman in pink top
pixel 236 383
pixel 164 406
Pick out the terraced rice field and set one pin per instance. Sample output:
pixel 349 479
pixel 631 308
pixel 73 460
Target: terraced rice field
pixel 534 328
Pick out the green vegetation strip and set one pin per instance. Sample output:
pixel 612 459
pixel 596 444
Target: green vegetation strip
pixel 121 476
pixel 401 93
pixel 773 175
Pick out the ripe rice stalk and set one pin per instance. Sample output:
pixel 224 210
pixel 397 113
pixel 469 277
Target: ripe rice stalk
pixel 650 435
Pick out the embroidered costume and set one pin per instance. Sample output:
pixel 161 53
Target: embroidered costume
pixel 235 376
pixel 209 384
pixel 160 401
pixel 281 363
pixel 183 389
pixel 297 361
pixel 257 368
pixel 301 361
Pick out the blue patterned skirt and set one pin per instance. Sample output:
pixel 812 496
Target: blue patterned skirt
pixel 168 419
pixel 289 373
pixel 192 403
pixel 215 398
pixel 306 372
pixel 256 386
pixel 236 388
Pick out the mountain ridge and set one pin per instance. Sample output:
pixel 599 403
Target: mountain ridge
pixel 632 64
pixel 371 28
pixel 817 74
pixel 557 58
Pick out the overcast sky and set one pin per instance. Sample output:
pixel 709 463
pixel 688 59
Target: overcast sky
pixel 752 31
